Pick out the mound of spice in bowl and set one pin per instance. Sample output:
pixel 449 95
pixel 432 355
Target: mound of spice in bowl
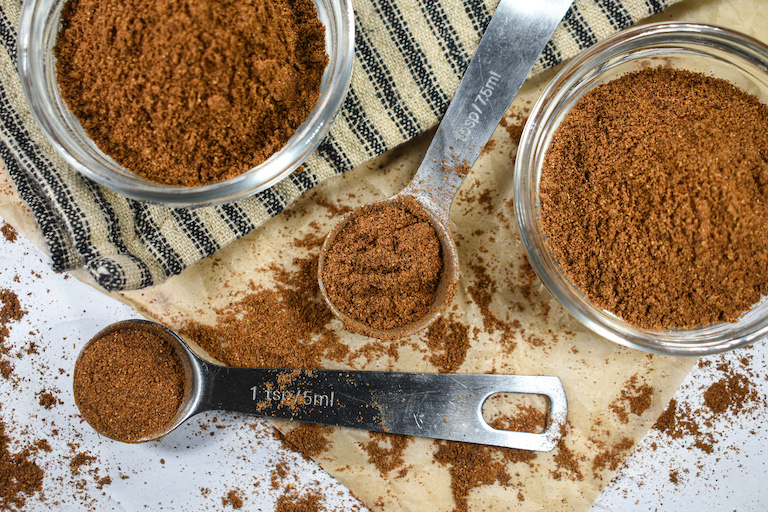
pixel 654 198
pixel 384 266
pixel 189 92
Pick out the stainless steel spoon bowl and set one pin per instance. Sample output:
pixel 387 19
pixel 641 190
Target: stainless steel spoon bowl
pixel 441 406
pixel 512 42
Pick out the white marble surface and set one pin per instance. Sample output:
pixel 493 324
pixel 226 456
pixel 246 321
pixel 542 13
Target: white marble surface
pixel 212 452
pixel 196 466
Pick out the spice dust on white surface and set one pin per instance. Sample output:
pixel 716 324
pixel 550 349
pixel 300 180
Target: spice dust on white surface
pixel 50 459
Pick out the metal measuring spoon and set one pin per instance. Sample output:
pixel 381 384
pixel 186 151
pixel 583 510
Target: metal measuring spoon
pixel 513 41
pixel 440 406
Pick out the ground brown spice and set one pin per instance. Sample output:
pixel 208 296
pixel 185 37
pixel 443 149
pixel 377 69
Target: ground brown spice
pixel 731 393
pixel 384 265
pixel 283 327
pixel 20 476
pixel 653 198
pixel 470 466
pixel 308 502
pixel 79 460
pixel 233 498
pixel 612 457
pixel 308 439
pixel 385 451
pixel 634 399
pixel 189 92
pixel 448 342
pixel 677 423
pixel 128 384
pixel 6 369
pixel 8 232
pixel 515 126
pixel 48 399
pixel 526 418
pixel 10 311
pixel 473 465
pixel 567 463
pixel 482 291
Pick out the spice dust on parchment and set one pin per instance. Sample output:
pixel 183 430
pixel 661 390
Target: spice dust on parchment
pixel 286 324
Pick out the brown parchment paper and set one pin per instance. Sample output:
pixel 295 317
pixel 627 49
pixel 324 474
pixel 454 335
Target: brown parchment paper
pixel 544 341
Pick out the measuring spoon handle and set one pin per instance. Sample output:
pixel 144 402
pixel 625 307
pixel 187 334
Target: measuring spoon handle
pixel 515 37
pixel 441 406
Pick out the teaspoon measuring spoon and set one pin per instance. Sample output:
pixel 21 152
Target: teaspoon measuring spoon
pixel 441 406
pixel 513 41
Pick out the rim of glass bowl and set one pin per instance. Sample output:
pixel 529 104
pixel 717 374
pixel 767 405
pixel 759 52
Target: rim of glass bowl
pixel 38 28
pixel 579 76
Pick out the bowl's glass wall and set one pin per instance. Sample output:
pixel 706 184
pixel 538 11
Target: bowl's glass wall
pixel 38 30
pixel 705 49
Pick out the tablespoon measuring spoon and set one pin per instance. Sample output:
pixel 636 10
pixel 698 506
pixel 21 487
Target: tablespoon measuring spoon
pixel 441 406
pixel 513 41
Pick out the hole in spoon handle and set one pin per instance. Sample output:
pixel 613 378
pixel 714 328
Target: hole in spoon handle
pixel 449 406
pixel 441 406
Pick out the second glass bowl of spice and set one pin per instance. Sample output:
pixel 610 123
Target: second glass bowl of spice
pixel 641 188
pixel 186 102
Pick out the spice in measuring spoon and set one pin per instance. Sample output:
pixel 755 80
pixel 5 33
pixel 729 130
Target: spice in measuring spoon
pixel 137 381
pixel 357 271
pixel 129 383
pixel 385 265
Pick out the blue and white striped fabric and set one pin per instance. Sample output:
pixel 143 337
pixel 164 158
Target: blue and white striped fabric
pixel 409 58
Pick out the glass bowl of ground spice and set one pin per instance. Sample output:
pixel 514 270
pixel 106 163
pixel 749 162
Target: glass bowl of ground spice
pixel 641 188
pixel 182 102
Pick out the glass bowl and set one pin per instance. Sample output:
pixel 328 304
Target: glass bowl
pixel 710 50
pixel 38 30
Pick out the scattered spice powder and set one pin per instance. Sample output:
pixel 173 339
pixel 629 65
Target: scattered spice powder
pixel 79 460
pixel 279 473
pixel 309 439
pixel 20 476
pixel 233 499
pixel 567 463
pixel 384 265
pixel 385 451
pixel 283 327
pixel 48 399
pixel 730 393
pixel 525 418
pixel 612 457
pixel 101 482
pixel 8 232
pixel 482 291
pixel 655 179
pixel 633 399
pixel 676 423
pixel 187 92
pixel 309 502
pixel 129 384
pixel 6 369
pixel 514 127
pixel 448 343
pixel 470 466
pixel 11 311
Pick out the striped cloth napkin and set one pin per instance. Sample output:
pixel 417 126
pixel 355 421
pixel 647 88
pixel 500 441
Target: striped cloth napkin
pixel 409 58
